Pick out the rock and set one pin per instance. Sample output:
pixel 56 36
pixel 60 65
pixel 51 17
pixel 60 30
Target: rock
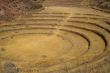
pixel 10 68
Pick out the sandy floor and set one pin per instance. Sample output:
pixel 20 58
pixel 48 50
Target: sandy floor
pixel 57 36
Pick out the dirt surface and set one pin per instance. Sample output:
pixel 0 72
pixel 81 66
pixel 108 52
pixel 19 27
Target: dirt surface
pixel 59 39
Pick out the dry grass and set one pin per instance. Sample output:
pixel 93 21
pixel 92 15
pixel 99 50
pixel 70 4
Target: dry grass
pixel 56 40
